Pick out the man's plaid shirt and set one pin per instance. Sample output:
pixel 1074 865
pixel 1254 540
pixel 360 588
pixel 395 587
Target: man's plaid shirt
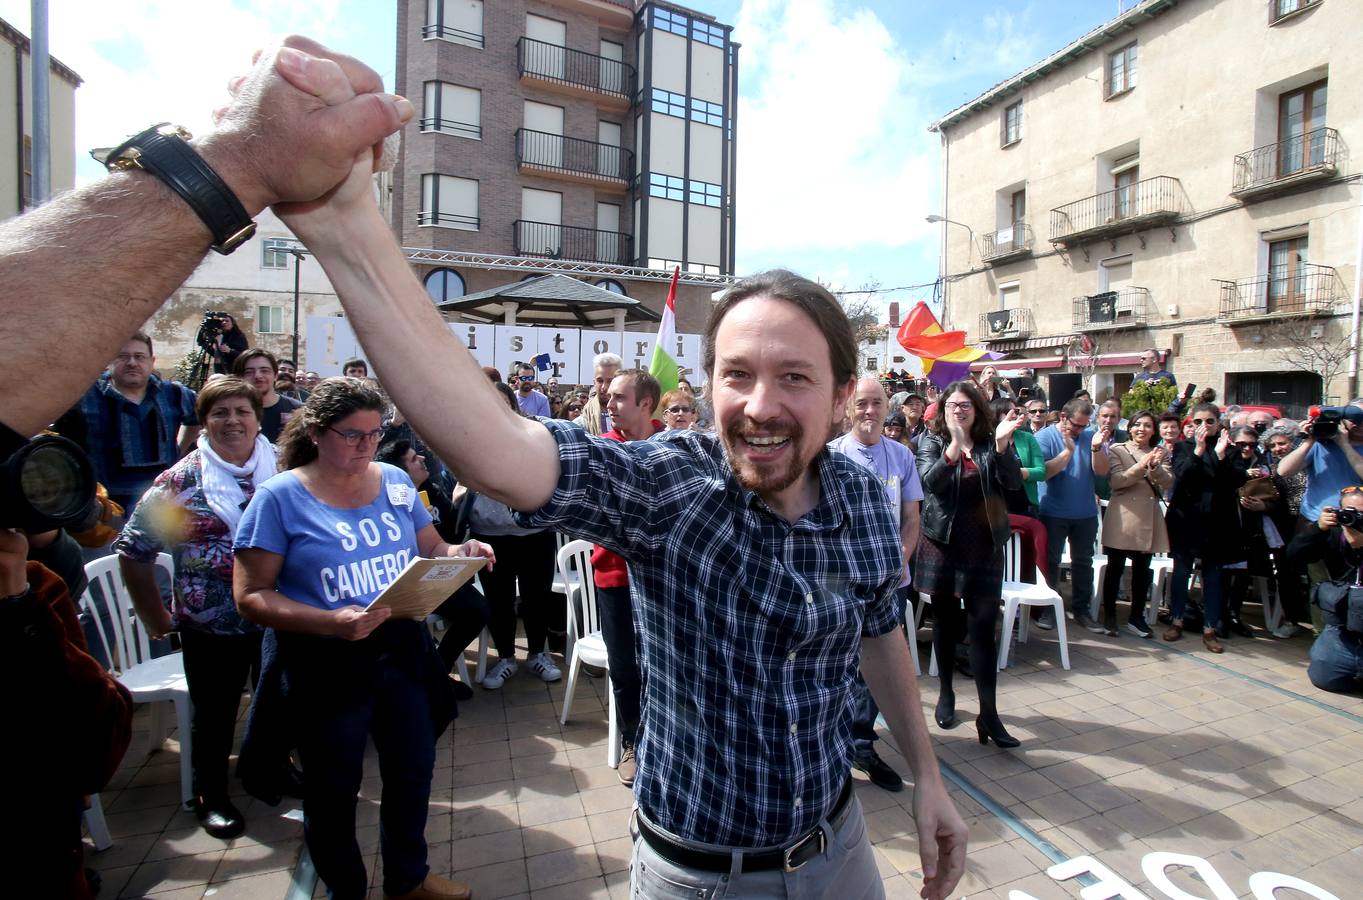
pixel 749 627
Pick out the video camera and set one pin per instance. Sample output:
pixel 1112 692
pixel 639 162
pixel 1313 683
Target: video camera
pixel 213 324
pixel 1326 419
pixel 45 483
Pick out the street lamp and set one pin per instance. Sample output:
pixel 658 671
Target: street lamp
pixel 933 219
pixel 297 255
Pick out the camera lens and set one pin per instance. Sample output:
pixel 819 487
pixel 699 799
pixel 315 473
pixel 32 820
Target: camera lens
pixel 54 483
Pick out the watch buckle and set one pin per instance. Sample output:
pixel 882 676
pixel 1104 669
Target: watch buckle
pixel 236 240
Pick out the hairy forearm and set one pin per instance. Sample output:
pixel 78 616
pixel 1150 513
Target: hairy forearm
pixel 81 274
pixel 888 670
pixel 428 372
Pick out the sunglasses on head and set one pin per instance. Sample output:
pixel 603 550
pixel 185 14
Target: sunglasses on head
pixel 1352 489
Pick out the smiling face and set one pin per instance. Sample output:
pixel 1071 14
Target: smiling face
pixel 334 453
pixel 525 380
pixel 959 408
pixel 1280 445
pixel 1142 430
pixel 259 373
pixel 232 427
pixel 774 396
pixel 1169 431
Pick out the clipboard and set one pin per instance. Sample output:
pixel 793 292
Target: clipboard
pixel 425 584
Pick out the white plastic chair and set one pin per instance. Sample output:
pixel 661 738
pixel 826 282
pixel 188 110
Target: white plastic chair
pixel 589 647
pixel 1018 594
pixel 147 679
pixel 99 829
pixel 1161 568
pixel 562 581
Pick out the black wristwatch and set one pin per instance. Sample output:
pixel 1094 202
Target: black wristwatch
pixel 164 151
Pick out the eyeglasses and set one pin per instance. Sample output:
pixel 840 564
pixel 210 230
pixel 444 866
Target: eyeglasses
pixel 679 409
pixel 353 438
pixel 959 404
pixel 1246 445
pixel 1036 412
pixel 126 358
pixel 1204 421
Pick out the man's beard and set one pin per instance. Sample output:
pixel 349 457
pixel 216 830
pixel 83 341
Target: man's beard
pixel 765 478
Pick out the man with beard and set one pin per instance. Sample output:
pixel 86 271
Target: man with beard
pixel 531 401
pixel 895 467
pixel 763 570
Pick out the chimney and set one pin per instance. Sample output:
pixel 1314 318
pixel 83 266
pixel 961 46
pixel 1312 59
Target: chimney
pixel 894 314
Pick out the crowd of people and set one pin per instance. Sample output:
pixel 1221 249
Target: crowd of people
pixel 754 578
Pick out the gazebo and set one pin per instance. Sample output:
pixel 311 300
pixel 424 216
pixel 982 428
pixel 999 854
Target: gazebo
pixel 550 300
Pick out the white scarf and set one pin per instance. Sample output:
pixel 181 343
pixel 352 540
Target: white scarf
pixel 225 497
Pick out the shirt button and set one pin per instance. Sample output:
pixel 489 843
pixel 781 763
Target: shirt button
pixel 809 598
pixel 791 656
pixel 794 728
pixel 799 802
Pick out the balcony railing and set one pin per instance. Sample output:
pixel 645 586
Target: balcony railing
pixel 1112 310
pixel 451 126
pixel 1006 325
pixel 575 69
pixel 1122 210
pixel 1273 167
pixel 1007 243
pixel 473 39
pixel 1309 290
pixel 574 157
pixel 570 242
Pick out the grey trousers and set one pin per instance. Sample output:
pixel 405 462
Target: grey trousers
pixel 845 871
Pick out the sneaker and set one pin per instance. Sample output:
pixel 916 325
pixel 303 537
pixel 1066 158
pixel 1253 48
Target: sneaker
pixel 1083 621
pixel 1285 630
pixel 878 771
pixel 1046 621
pixel 542 664
pixel 1139 628
pixel 628 767
pixel 504 669
pixel 1110 626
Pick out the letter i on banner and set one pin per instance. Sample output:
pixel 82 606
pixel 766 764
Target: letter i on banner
pixel 664 366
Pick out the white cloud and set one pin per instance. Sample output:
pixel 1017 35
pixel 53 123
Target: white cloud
pixel 833 151
pixel 168 60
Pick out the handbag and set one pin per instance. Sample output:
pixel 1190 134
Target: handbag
pixel 1260 488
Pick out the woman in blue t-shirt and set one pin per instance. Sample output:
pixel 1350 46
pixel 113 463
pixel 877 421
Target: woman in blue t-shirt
pixel 316 545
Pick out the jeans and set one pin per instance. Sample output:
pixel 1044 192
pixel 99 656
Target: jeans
pixel 525 561
pixel 332 743
pixel 1211 590
pixel 617 630
pixel 1140 582
pixel 1081 534
pixel 1336 661
pixel 866 712
pixel 216 668
pixel 846 869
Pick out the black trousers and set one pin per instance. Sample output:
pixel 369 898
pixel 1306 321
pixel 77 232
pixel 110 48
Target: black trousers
pixel 977 620
pixel 527 560
pixel 617 630
pixel 1112 579
pixel 217 666
pixel 467 613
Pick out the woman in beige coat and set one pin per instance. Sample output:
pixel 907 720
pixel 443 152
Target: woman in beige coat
pixel 1133 527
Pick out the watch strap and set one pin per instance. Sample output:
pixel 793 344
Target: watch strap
pixel 164 151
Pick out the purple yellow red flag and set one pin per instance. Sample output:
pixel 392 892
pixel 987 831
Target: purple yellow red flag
pixel 945 355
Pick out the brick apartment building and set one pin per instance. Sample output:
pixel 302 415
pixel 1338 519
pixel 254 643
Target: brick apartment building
pixel 584 137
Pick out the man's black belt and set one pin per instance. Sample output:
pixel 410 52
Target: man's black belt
pixel 790 857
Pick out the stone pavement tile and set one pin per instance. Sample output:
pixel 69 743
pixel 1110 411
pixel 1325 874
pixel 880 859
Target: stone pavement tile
pixel 505 879
pixel 115 878
pixel 466 775
pixel 1001 764
pixel 546 787
pixel 618 884
pixel 609 825
pixel 902 887
pixel 1101 797
pixel 1346 750
pixel 1238 754
pixel 556 836
pixel 153 820
pixel 1058 809
pixel 614 854
pixel 587 889
pixel 1339 874
pixel 1112 763
pixel 135 798
pixel 478 734
pixel 248 860
pixel 872 798
pixel 485 849
pixel 900 853
pixel 605 799
pixel 1256 817
pixel 1138 819
pixel 168 874
pixel 1070 775
pixel 893 821
pixel 541 810
pixel 543 764
pixel 537 745
pixel 1305 846
pixel 493 793
pixel 264 886
pixel 128 851
pixel 1209 835
pixel 1272 774
pixel 994 866
pixel 598 776
pixel 562 867
pixel 492 751
pixel 184 842
pixel 1029 785
pixel 1038 885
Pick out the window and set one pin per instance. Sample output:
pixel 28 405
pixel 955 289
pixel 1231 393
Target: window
pixel 444 284
pixel 872 364
pixel 1126 172
pixel 28 171
pixel 449 202
pixel 704 193
pixel 452 109
pixel 1281 9
pixel 669 103
pixel 1010 295
pixel 1287 273
pixel 707 33
pixel 1018 207
pixel 613 286
pixel 665 20
pixel 274 253
pixel 460 21
pixel 669 187
pixel 1301 128
pixel 707 112
pixel 270 320
pixel 1012 124
pixel 1121 70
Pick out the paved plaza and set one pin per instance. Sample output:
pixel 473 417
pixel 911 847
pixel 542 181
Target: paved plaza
pixel 1142 746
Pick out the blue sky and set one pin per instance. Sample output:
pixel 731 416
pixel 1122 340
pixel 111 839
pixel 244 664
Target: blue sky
pixel 837 170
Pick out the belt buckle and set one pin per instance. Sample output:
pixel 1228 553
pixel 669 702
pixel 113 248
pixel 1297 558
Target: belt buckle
pixel 816 834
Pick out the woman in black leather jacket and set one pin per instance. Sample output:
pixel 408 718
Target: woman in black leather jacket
pixel 965 465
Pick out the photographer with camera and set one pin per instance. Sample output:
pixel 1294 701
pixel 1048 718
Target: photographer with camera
pixel 1335 540
pixel 1331 455
pixel 225 341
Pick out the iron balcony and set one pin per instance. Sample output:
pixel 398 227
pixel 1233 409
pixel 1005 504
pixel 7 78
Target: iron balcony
pixel 574 159
pixel 545 239
pixel 1299 161
pixel 1112 310
pixel 1309 290
pixel 609 81
pixel 1013 242
pixel 1006 324
pixel 1124 210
